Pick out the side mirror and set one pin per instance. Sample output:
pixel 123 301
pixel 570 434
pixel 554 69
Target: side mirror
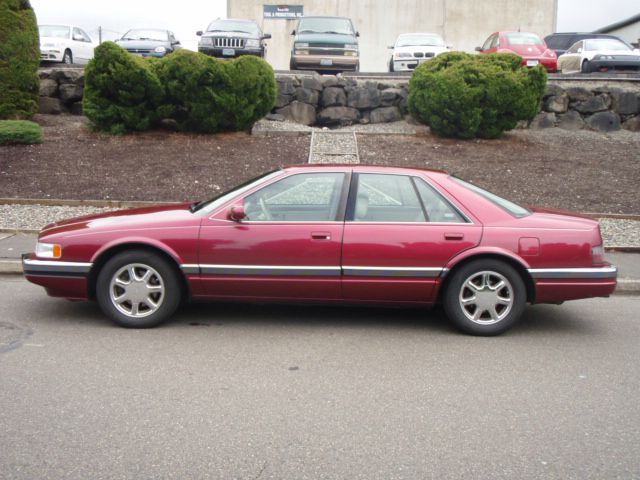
pixel 478 49
pixel 237 213
pixel 199 33
pixel 390 47
pixel 357 34
pixel 266 36
pixel 293 32
pixel 579 50
pixel 449 47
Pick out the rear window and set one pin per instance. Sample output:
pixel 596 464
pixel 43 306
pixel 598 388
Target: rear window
pixel 523 38
pixel 512 208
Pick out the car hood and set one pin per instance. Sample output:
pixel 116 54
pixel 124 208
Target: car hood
pixel 615 53
pixel 135 218
pixel 334 38
pixel 142 44
pixel 53 40
pixel 230 34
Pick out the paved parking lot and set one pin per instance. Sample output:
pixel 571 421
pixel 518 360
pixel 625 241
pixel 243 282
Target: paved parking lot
pixel 237 391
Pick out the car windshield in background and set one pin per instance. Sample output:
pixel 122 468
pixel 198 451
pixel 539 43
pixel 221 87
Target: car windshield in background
pixel 57 31
pixel 419 40
pixel 160 35
pixel 519 38
pixel 605 44
pixel 514 209
pixel 325 25
pixel 233 26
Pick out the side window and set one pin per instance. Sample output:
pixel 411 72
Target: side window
pixel 495 43
pixel 575 48
pixel 487 43
pixel 438 209
pixel 305 197
pixel 386 198
pixel 77 35
pixel 86 37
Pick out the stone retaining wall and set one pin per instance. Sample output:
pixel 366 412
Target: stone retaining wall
pixel 336 100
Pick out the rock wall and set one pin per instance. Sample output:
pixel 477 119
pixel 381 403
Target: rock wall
pixel 328 100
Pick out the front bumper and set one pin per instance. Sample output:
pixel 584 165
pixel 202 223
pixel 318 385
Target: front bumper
pixel 325 62
pixel 408 64
pixel 60 279
pixel 620 65
pixel 220 52
pixel 51 55
pixel 556 285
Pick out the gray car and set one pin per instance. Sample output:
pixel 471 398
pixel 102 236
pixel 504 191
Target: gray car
pixel 149 42
pixel 231 38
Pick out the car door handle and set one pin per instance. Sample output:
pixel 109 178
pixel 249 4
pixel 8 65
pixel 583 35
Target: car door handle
pixel 453 236
pixel 321 235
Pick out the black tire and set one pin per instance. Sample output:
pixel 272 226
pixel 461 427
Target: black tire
pixel 585 67
pixel 496 309
pixel 391 66
pixel 67 58
pixel 162 287
pixel 292 65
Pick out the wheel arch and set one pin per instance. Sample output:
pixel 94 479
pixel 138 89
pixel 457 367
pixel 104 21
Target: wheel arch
pixel 109 252
pixel 510 260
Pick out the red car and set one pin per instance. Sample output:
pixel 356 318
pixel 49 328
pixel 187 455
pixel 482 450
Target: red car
pixel 529 46
pixel 321 234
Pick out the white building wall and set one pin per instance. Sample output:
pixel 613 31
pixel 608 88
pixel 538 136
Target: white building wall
pixel 629 33
pixel 464 24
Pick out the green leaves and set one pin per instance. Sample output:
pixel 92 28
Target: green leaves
pixel 475 96
pixel 200 93
pixel 19 131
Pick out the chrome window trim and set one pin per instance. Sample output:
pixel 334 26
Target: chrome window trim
pixel 588 273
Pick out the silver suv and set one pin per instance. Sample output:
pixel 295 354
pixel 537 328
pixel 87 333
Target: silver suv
pixel 231 38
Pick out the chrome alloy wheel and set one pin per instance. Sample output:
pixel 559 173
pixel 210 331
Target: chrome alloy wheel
pixel 486 297
pixel 137 290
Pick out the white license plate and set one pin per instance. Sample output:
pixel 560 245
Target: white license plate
pixel 532 63
pixel 229 52
pixel 326 62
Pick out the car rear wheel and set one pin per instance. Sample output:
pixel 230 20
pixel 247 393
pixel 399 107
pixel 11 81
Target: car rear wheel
pixel 138 289
pixel 485 297
pixel 67 57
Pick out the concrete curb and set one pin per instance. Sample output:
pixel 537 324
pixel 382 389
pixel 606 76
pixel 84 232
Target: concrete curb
pixel 626 286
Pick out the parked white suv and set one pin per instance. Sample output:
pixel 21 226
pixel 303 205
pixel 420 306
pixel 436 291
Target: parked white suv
pixel 411 49
pixel 65 43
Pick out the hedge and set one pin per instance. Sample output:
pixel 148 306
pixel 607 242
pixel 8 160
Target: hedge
pixel 19 131
pixel 199 93
pixel 468 96
pixel 19 59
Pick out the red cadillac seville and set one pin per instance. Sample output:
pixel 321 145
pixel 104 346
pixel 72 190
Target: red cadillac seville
pixel 320 234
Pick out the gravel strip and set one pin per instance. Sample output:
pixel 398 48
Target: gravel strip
pixel 334 143
pixel 615 232
pixel 264 127
pixel 337 159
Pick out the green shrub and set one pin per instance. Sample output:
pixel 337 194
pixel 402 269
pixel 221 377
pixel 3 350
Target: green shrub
pixel 19 59
pixel 468 96
pixel 204 94
pixel 121 91
pixel 19 131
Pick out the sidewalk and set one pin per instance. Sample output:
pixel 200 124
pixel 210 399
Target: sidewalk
pixel 12 246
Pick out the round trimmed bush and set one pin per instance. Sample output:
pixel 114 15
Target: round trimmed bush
pixel 19 59
pixel 469 96
pixel 121 92
pixel 19 131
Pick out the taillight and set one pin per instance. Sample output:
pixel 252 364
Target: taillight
pixel 597 254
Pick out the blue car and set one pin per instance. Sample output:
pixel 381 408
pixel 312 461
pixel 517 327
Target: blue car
pixel 149 42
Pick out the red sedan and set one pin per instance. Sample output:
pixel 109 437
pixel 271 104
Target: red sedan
pixel 320 234
pixel 529 46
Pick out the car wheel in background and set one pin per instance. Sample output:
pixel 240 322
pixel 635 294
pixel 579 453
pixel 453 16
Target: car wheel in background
pixel 67 57
pixel 138 289
pixel 485 297
pixel 585 67
pixel 292 65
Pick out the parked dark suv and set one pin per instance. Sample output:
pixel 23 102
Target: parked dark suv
pixel 231 38
pixel 561 42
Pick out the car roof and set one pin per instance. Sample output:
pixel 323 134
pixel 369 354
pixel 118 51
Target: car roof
pixel 324 16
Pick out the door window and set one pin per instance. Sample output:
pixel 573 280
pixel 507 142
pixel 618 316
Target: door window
pixel 386 198
pixel 438 209
pixel 305 197
pixel 487 43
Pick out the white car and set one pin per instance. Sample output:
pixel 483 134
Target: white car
pixel 65 43
pixel 411 49
pixel 599 55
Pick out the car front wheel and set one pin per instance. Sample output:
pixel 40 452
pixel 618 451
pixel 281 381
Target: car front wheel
pixel 586 67
pixel 68 57
pixel 138 289
pixel 485 297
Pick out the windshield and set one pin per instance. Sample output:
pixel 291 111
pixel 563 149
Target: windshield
pixel 605 44
pixel 140 34
pixel 58 31
pixel 215 202
pixel 420 40
pixel 325 25
pixel 233 26
pixel 522 38
pixel 512 208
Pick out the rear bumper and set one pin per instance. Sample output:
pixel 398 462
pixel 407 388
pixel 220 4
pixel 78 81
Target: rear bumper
pixel 555 285
pixel 60 279
pixel 549 64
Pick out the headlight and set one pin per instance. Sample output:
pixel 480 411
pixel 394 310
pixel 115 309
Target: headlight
pixel 350 46
pixel 604 57
pixel 252 43
pixel 206 41
pixel 160 50
pixel 48 250
pixel 402 55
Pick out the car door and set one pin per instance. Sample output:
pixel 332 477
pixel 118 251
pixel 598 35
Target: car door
pixel 399 234
pixel 79 49
pixel 570 61
pixel 287 246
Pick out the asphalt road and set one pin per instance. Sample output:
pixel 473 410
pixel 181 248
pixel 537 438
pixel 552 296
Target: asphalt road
pixel 237 391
